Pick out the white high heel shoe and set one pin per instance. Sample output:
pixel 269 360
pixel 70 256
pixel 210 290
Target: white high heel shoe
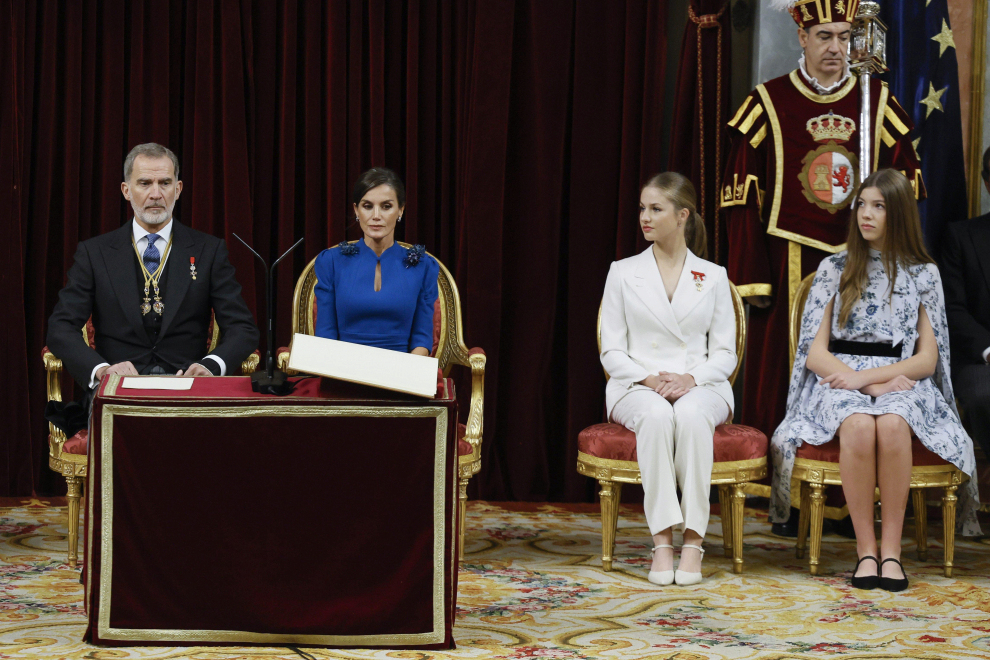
pixel 663 578
pixel 684 578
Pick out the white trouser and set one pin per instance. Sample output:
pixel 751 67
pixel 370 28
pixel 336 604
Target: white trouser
pixel 674 444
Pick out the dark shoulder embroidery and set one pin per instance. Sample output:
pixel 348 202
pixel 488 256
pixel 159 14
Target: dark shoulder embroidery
pixel 348 249
pixel 414 256
pixel 838 260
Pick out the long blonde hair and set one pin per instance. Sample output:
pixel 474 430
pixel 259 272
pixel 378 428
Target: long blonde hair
pixel 903 241
pixel 680 191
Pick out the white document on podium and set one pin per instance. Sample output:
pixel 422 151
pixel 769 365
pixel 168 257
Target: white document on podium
pixel 366 365
pixel 157 383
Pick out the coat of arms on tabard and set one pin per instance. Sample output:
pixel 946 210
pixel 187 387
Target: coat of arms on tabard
pixel 829 174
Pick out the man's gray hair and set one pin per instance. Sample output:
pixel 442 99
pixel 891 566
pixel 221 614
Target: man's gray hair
pixel 149 150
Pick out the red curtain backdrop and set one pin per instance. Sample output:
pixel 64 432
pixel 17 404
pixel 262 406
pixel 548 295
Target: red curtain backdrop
pixel 522 130
pixel 699 142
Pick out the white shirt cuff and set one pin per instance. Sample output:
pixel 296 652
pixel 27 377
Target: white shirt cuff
pixel 93 382
pixel 223 365
pixel 986 354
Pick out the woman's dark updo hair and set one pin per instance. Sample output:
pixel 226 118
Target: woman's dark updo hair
pixel 378 176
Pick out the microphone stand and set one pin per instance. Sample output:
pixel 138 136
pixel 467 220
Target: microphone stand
pixel 271 380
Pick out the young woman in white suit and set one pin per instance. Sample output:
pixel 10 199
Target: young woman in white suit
pixel 668 344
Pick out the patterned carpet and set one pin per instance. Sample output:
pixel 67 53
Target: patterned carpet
pixel 531 587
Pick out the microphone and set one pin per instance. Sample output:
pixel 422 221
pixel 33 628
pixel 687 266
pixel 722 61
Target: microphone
pixel 271 380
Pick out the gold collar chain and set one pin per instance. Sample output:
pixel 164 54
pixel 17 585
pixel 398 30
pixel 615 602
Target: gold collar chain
pixel 151 280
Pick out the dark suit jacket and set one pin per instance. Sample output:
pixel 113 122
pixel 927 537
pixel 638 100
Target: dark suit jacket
pixel 102 283
pixel 966 277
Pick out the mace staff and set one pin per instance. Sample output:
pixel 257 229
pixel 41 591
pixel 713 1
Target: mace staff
pixel 867 56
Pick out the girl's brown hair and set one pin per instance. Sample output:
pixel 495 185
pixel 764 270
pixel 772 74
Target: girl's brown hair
pixel 680 191
pixel 903 243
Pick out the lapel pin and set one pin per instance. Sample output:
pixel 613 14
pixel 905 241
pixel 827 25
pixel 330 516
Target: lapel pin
pixel 192 267
pixel 698 279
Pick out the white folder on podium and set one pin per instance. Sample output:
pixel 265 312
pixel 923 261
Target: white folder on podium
pixel 366 365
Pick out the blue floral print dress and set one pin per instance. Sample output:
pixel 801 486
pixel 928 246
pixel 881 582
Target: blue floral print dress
pixel 815 411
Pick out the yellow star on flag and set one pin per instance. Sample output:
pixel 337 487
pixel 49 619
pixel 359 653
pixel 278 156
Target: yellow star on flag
pixel 934 100
pixel 916 144
pixel 944 39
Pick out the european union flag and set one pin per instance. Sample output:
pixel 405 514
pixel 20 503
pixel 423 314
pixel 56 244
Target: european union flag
pixel 924 76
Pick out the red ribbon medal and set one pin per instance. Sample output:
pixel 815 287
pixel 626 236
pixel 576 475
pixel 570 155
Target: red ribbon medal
pixel 698 279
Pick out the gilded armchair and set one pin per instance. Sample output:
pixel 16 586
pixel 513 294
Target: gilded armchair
pixel 817 467
pixel 448 347
pixel 607 452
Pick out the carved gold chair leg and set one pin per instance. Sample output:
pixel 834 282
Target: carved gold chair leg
pixel 725 506
pixel 461 514
pixel 74 493
pixel 738 497
pixel 802 534
pixel 817 515
pixel 610 495
pixel 920 522
pixel 949 527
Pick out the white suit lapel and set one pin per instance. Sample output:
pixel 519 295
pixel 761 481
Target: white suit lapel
pixel 688 293
pixel 648 285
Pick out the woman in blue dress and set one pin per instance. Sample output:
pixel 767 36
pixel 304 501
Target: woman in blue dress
pixel 374 291
pixel 872 366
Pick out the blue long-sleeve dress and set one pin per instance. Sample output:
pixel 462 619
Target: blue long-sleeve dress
pixel 399 317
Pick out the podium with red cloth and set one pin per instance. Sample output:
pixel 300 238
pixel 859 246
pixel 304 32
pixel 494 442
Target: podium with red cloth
pixel 221 516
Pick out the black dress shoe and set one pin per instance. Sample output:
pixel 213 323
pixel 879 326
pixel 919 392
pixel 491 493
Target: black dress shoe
pixel 893 584
pixel 788 529
pixel 785 529
pixel 866 581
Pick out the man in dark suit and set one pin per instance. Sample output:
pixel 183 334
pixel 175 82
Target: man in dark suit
pixel 966 276
pixel 150 287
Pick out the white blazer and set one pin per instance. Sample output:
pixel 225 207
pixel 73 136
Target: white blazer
pixel 643 333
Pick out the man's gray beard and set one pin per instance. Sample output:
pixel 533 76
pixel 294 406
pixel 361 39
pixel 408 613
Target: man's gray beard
pixel 152 221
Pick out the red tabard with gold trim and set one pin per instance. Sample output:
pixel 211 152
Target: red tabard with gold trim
pixel 792 171
pixel 803 150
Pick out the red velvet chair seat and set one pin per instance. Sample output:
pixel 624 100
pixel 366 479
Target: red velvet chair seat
pixel 733 442
pixel 77 444
pixel 829 453
pixel 611 441
pixel 463 446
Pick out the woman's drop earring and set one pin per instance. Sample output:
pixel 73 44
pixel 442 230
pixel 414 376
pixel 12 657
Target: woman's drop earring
pixel 400 218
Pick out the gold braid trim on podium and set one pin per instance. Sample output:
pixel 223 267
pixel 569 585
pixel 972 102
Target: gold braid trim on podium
pixel 441 491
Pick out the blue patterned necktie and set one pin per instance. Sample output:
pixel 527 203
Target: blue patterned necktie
pixel 152 257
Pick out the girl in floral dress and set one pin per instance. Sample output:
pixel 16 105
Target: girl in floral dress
pixel 872 366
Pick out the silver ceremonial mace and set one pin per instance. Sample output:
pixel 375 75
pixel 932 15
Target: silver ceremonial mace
pixel 867 56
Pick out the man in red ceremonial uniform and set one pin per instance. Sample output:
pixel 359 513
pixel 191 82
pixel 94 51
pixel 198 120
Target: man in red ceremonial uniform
pixel 792 170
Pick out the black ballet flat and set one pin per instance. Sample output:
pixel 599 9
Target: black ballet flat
pixel 865 581
pixel 893 584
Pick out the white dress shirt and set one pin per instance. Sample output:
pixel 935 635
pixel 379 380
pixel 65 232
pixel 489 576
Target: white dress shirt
pixel 141 238
pixel 141 241
pixel 817 86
